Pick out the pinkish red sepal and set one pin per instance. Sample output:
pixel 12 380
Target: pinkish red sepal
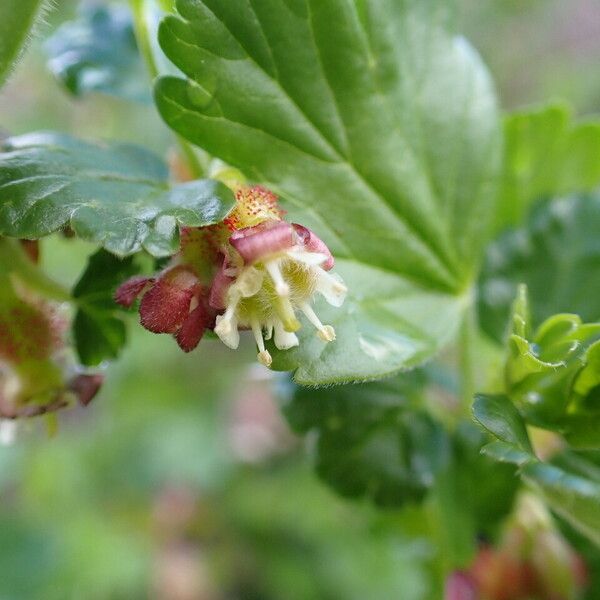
pixel 270 237
pixel 313 243
pixel 220 285
pixel 192 328
pixel 128 292
pixel 166 304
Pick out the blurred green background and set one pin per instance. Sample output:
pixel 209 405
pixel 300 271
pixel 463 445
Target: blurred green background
pixel 181 480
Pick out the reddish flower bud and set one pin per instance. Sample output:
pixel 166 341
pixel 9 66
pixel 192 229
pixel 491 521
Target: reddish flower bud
pixel 460 586
pixel 85 387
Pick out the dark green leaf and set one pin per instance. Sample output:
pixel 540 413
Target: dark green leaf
pixel 381 134
pixel 370 441
pixel 545 154
pixel 113 194
pixel 98 53
pixel 17 18
pixel 98 331
pixel 557 254
pixel 500 417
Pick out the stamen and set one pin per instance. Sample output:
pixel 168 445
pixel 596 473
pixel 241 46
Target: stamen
pixel 264 358
pixel 281 287
pixel 325 332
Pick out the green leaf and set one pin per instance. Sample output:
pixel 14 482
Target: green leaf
pixel 545 154
pixel 575 498
pixel 99 332
pixel 370 441
pixel 556 253
pixel 380 133
pixel 500 417
pixel 17 18
pixel 116 195
pixel 542 366
pixel 97 52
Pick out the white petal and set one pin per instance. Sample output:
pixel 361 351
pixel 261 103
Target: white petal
pixel 249 281
pixel 308 258
pixel 331 287
pixel 226 329
pixel 284 340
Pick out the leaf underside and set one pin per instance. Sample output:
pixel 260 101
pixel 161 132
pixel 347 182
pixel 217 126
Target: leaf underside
pixel 380 133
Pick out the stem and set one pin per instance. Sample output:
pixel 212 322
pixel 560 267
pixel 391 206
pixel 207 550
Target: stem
pixel 14 259
pixel 142 36
pixel 468 334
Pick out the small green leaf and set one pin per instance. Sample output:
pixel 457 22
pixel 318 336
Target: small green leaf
pixel 98 53
pixel 98 336
pixel 381 134
pixel 98 331
pixel 500 417
pixel 575 498
pixel 17 18
pixel 116 195
pixel 545 154
pixel 370 441
pixel 542 366
pixel 556 253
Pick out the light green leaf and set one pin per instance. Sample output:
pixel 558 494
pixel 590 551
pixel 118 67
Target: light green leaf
pixel 380 133
pixel 97 52
pixel 17 18
pixel 113 194
pixel 542 366
pixel 556 253
pixel 545 154
pixel 575 498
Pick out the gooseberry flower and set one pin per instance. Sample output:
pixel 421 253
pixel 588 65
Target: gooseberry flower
pixel 36 374
pixel 254 271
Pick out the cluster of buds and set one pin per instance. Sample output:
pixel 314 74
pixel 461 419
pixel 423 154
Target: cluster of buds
pixel 36 375
pixel 533 560
pixel 253 271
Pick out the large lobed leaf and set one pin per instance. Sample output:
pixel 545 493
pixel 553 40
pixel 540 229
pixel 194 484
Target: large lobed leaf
pixel 117 195
pixel 545 154
pixel 379 127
